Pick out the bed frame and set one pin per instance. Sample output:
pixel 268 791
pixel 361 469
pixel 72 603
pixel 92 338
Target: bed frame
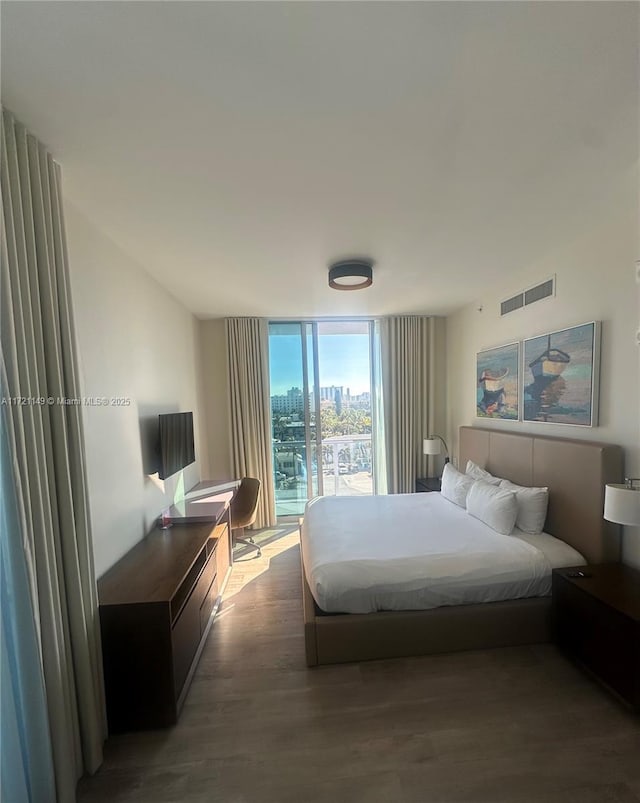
pixel 575 471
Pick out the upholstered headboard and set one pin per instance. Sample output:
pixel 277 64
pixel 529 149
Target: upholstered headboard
pixel 575 472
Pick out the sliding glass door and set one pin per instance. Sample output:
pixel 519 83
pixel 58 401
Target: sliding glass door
pixel 321 407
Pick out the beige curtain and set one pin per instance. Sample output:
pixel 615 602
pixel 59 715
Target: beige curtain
pixel 38 351
pixel 251 453
pixel 408 369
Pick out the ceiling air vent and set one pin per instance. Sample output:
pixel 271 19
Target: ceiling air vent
pixel 512 304
pixel 539 292
pixel 522 299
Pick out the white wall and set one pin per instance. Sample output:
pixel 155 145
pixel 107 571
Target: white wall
pixel 135 341
pixel 595 269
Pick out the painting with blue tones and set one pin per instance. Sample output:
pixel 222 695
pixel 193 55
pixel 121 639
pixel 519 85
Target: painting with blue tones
pixel 498 382
pixel 561 376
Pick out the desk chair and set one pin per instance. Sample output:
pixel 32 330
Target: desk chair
pixel 244 507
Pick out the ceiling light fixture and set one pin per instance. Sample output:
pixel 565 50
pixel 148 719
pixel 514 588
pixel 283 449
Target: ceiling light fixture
pixel 351 274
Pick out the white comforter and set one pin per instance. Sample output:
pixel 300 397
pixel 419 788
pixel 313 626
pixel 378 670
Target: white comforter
pixel 418 551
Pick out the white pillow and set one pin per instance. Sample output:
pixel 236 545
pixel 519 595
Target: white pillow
pixel 473 470
pixel 496 507
pixel 455 485
pixel 532 506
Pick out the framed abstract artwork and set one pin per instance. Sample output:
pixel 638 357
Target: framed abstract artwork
pixel 561 375
pixel 498 382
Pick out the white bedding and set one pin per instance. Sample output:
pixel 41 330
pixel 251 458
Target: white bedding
pixel 419 551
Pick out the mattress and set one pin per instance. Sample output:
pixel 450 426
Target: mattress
pixel 416 552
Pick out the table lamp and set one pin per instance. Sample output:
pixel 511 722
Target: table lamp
pixel 433 445
pixel 622 502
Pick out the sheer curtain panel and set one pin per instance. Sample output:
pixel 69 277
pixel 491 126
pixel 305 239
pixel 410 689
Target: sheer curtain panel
pixel 377 410
pixel 408 366
pixel 38 349
pixel 250 426
pixel 26 764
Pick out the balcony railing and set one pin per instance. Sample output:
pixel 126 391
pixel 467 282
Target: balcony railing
pixel 345 470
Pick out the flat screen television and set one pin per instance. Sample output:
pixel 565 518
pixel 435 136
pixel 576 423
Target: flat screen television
pixel 176 443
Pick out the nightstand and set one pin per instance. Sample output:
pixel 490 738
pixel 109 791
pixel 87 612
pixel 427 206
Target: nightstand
pixel 596 621
pixel 426 484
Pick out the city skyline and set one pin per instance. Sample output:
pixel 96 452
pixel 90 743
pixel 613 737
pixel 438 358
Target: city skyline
pixel 343 362
pixel 326 392
pixel 293 400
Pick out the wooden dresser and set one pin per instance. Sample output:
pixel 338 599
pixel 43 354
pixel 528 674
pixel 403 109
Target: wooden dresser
pixel 156 607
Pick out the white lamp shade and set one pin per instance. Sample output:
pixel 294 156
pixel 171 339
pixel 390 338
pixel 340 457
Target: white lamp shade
pixel 622 504
pixel 431 446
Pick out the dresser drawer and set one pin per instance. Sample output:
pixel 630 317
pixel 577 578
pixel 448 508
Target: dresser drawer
pixel 185 637
pixel 223 557
pixel 208 603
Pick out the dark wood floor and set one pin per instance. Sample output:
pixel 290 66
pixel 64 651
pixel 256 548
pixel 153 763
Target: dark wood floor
pixel 516 725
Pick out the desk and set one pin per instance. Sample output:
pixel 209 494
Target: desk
pixel 200 504
pixel 213 488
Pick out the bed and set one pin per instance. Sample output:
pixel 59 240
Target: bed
pixel 469 615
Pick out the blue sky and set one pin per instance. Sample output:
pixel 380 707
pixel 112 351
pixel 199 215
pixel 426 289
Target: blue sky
pixel 344 360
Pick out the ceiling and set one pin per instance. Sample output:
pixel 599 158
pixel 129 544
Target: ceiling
pixel 234 149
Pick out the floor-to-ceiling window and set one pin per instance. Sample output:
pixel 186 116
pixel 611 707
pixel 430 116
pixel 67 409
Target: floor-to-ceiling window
pixel 321 406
